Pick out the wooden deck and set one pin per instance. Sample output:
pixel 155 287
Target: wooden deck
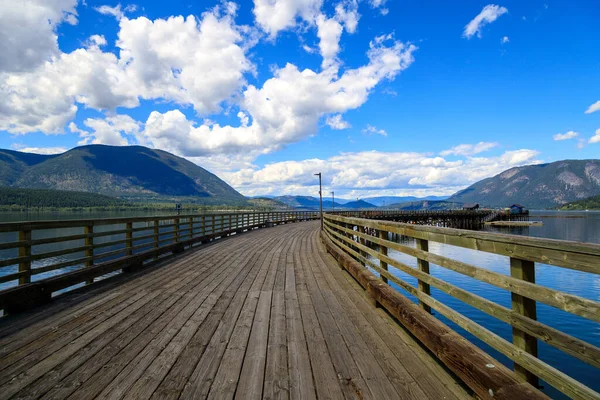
pixel 268 314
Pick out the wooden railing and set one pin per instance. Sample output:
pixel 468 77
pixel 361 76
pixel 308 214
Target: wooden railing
pixel 366 243
pixel 86 250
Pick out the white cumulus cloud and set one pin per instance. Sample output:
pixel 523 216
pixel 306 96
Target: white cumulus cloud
pixel 286 109
pixel 489 14
pixel 184 60
pixel 28 31
pixel 277 15
pixel 596 137
pixel 375 172
pixel 593 108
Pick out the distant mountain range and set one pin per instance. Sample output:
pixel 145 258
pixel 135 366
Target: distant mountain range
pixel 382 201
pixel 132 172
pixel 141 174
pixel 426 205
pixel 312 203
pixel 536 186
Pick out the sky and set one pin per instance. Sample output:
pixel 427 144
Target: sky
pixel 384 97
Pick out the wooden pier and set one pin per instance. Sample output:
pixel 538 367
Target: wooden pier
pixel 461 219
pixel 214 306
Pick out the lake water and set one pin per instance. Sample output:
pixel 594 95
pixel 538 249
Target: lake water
pixel 577 226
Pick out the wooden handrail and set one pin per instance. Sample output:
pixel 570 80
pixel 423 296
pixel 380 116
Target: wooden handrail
pixel 360 238
pixel 140 240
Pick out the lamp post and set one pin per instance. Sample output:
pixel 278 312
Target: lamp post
pixel 320 199
pixel 332 202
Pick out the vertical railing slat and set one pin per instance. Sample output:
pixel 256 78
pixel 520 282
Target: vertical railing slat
pixel 89 241
pixel 525 270
pixel 156 236
pixel 25 251
pixel 423 265
pixel 129 238
pixel 383 250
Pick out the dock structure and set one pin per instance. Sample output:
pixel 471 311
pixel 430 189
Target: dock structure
pixel 214 306
pixel 461 219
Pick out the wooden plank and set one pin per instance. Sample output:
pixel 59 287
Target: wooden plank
pixel 375 379
pixel 202 377
pixel 200 327
pixel 462 357
pixel 170 341
pixel 159 333
pixel 40 335
pixel 111 342
pixel 128 351
pixel 423 377
pixel 348 374
pixel 174 382
pixel 252 377
pixel 228 374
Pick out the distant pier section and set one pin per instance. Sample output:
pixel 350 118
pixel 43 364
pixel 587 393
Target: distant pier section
pixel 461 219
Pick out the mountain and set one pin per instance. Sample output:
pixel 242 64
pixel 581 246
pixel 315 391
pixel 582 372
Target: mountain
pixel 133 172
pixel 381 201
pixel 359 204
pixel 306 202
pixel 536 186
pixel 387 200
pixel 312 203
pixel 267 203
pixel 426 205
pixel 591 203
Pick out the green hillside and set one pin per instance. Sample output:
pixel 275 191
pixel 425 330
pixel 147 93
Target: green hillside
pixel 48 198
pixel 591 203
pixel 133 172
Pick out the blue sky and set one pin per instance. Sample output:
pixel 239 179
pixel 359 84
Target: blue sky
pixel 384 97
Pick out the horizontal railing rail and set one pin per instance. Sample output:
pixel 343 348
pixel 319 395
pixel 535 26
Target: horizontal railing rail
pixel 367 242
pixel 77 252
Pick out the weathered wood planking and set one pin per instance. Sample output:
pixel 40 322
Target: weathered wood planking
pixel 258 316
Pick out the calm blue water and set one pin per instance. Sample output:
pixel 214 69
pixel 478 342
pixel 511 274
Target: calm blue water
pixel 577 226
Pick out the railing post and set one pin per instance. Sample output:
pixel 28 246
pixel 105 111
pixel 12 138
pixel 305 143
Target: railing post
pixel 423 265
pixel 384 251
pixel 212 228
pixel 129 238
pixel 361 240
pixel 191 220
pixel 89 241
pixel 156 236
pixel 176 229
pixel 25 251
pixel 204 225
pixel 525 270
